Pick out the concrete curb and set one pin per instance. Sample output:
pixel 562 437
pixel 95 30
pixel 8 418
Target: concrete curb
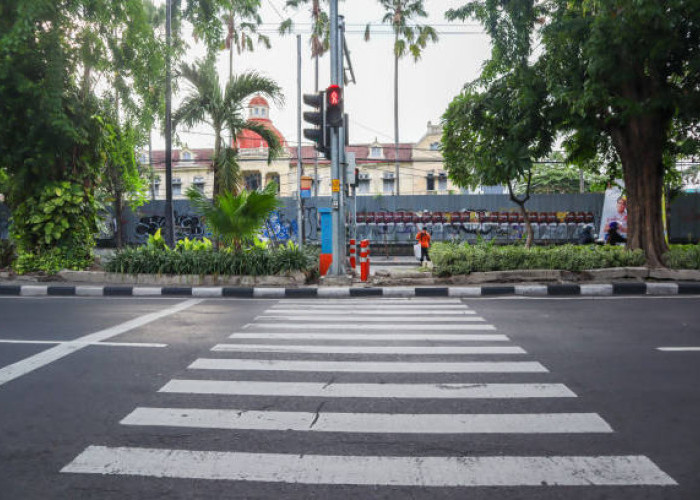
pixel 550 290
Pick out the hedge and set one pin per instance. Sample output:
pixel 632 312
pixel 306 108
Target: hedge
pixel 454 259
pixel 250 262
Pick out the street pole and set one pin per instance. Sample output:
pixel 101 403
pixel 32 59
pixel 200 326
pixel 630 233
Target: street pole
pixel 341 149
pixel 169 226
pixel 300 212
pixel 336 190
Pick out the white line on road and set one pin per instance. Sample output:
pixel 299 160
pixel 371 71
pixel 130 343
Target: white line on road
pixel 108 344
pixel 374 301
pixel 679 349
pixel 392 349
pixel 341 390
pixel 356 325
pixel 358 318
pixel 371 470
pixel 368 366
pixel 48 356
pixel 456 337
pixel 368 312
pixel 514 423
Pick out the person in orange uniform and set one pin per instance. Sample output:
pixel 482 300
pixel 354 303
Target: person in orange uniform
pixel 424 238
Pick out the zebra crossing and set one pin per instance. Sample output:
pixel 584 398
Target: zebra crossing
pixel 301 351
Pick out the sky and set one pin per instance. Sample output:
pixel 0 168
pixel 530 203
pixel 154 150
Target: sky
pixel 426 87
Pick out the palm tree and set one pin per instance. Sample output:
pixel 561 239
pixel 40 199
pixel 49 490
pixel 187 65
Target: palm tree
pixel 320 43
pixel 242 22
pixel 235 218
pixel 408 37
pixel 206 103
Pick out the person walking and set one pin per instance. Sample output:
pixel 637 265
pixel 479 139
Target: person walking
pixel 424 238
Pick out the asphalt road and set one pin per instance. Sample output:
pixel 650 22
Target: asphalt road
pixel 85 382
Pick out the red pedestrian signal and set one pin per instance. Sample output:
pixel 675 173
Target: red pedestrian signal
pixel 334 106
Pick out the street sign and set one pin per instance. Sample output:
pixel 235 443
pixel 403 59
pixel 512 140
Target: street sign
pixel 336 186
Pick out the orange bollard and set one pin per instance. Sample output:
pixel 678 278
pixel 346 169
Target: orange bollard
pixel 364 260
pixel 353 250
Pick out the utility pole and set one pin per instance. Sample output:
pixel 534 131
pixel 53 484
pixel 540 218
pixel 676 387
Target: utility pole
pixel 300 212
pixel 169 226
pixel 337 266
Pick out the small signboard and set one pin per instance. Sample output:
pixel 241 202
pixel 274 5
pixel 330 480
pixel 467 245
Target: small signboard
pixel 336 186
pixel 305 193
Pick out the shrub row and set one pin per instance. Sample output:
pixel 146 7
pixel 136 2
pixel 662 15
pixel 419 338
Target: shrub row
pixel 251 262
pixel 453 259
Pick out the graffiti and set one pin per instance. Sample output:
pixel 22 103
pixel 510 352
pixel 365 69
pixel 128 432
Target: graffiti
pixel 278 229
pixel 186 226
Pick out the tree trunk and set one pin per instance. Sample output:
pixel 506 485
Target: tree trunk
pixel 640 145
pixel 521 206
pixel 215 160
pixel 397 189
pixel 118 209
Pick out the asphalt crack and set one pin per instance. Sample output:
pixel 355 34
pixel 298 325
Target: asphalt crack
pixel 317 415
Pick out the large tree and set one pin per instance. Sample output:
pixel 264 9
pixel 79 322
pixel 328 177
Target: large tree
pixel 223 110
pixel 409 38
pixel 623 75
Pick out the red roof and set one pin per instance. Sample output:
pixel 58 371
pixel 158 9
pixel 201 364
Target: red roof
pixel 361 153
pixel 258 101
pixel 248 139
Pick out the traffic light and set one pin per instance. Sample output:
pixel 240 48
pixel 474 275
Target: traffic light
pixel 319 133
pixel 334 106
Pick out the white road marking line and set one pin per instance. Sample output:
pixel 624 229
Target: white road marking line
pixel 48 356
pixel 371 470
pixel 368 366
pixel 384 423
pixel 455 337
pixel 392 349
pixel 359 319
pixel 374 301
pixel 109 344
pixel 678 349
pixel 357 325
pixel 366 312
pixel 341 390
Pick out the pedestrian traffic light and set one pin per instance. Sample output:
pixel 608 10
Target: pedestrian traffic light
pixel 334 106
pixel 319 133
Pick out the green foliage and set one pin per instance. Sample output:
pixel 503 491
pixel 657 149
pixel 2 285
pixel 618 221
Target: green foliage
pixel 683 257
pixel 188 245
pixel 320 26
pixel 454 259
pixel 250 262
pixel 156 241
pixel 560 178
pixel 54 228
pixel 236 218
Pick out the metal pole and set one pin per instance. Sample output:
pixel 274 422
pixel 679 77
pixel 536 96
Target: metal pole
pixel 300 212
pixel 338 240
pixel 169 226
pixel 316 152
pixel 341 149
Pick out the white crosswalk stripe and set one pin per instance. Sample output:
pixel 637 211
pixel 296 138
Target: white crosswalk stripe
pixel 368 366
pixel 387 338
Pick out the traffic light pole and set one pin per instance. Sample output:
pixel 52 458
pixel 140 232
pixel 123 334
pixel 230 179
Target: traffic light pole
pixel 337 266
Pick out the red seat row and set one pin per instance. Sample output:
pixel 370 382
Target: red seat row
pixel 470 216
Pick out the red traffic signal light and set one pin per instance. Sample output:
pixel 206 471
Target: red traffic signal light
pixel 334 106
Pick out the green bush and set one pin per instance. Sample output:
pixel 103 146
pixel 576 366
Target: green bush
pixel 252 261
pixel 454 259
pixel 51 261
pixel 683 257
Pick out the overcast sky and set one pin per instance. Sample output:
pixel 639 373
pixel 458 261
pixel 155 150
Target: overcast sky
pixel 425 87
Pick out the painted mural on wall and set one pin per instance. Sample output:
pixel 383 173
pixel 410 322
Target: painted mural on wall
pixel 187 225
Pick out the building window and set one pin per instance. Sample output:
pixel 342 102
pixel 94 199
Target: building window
pixel 375 152
pixel 442 181
pixel 177 186
pixel 253 181
pixel 434 146
pixel 430 182
pixel 155 187
pixel 198 184
pixel 274 178
pixel 186 155
pixel 388 183
pixel 363 184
